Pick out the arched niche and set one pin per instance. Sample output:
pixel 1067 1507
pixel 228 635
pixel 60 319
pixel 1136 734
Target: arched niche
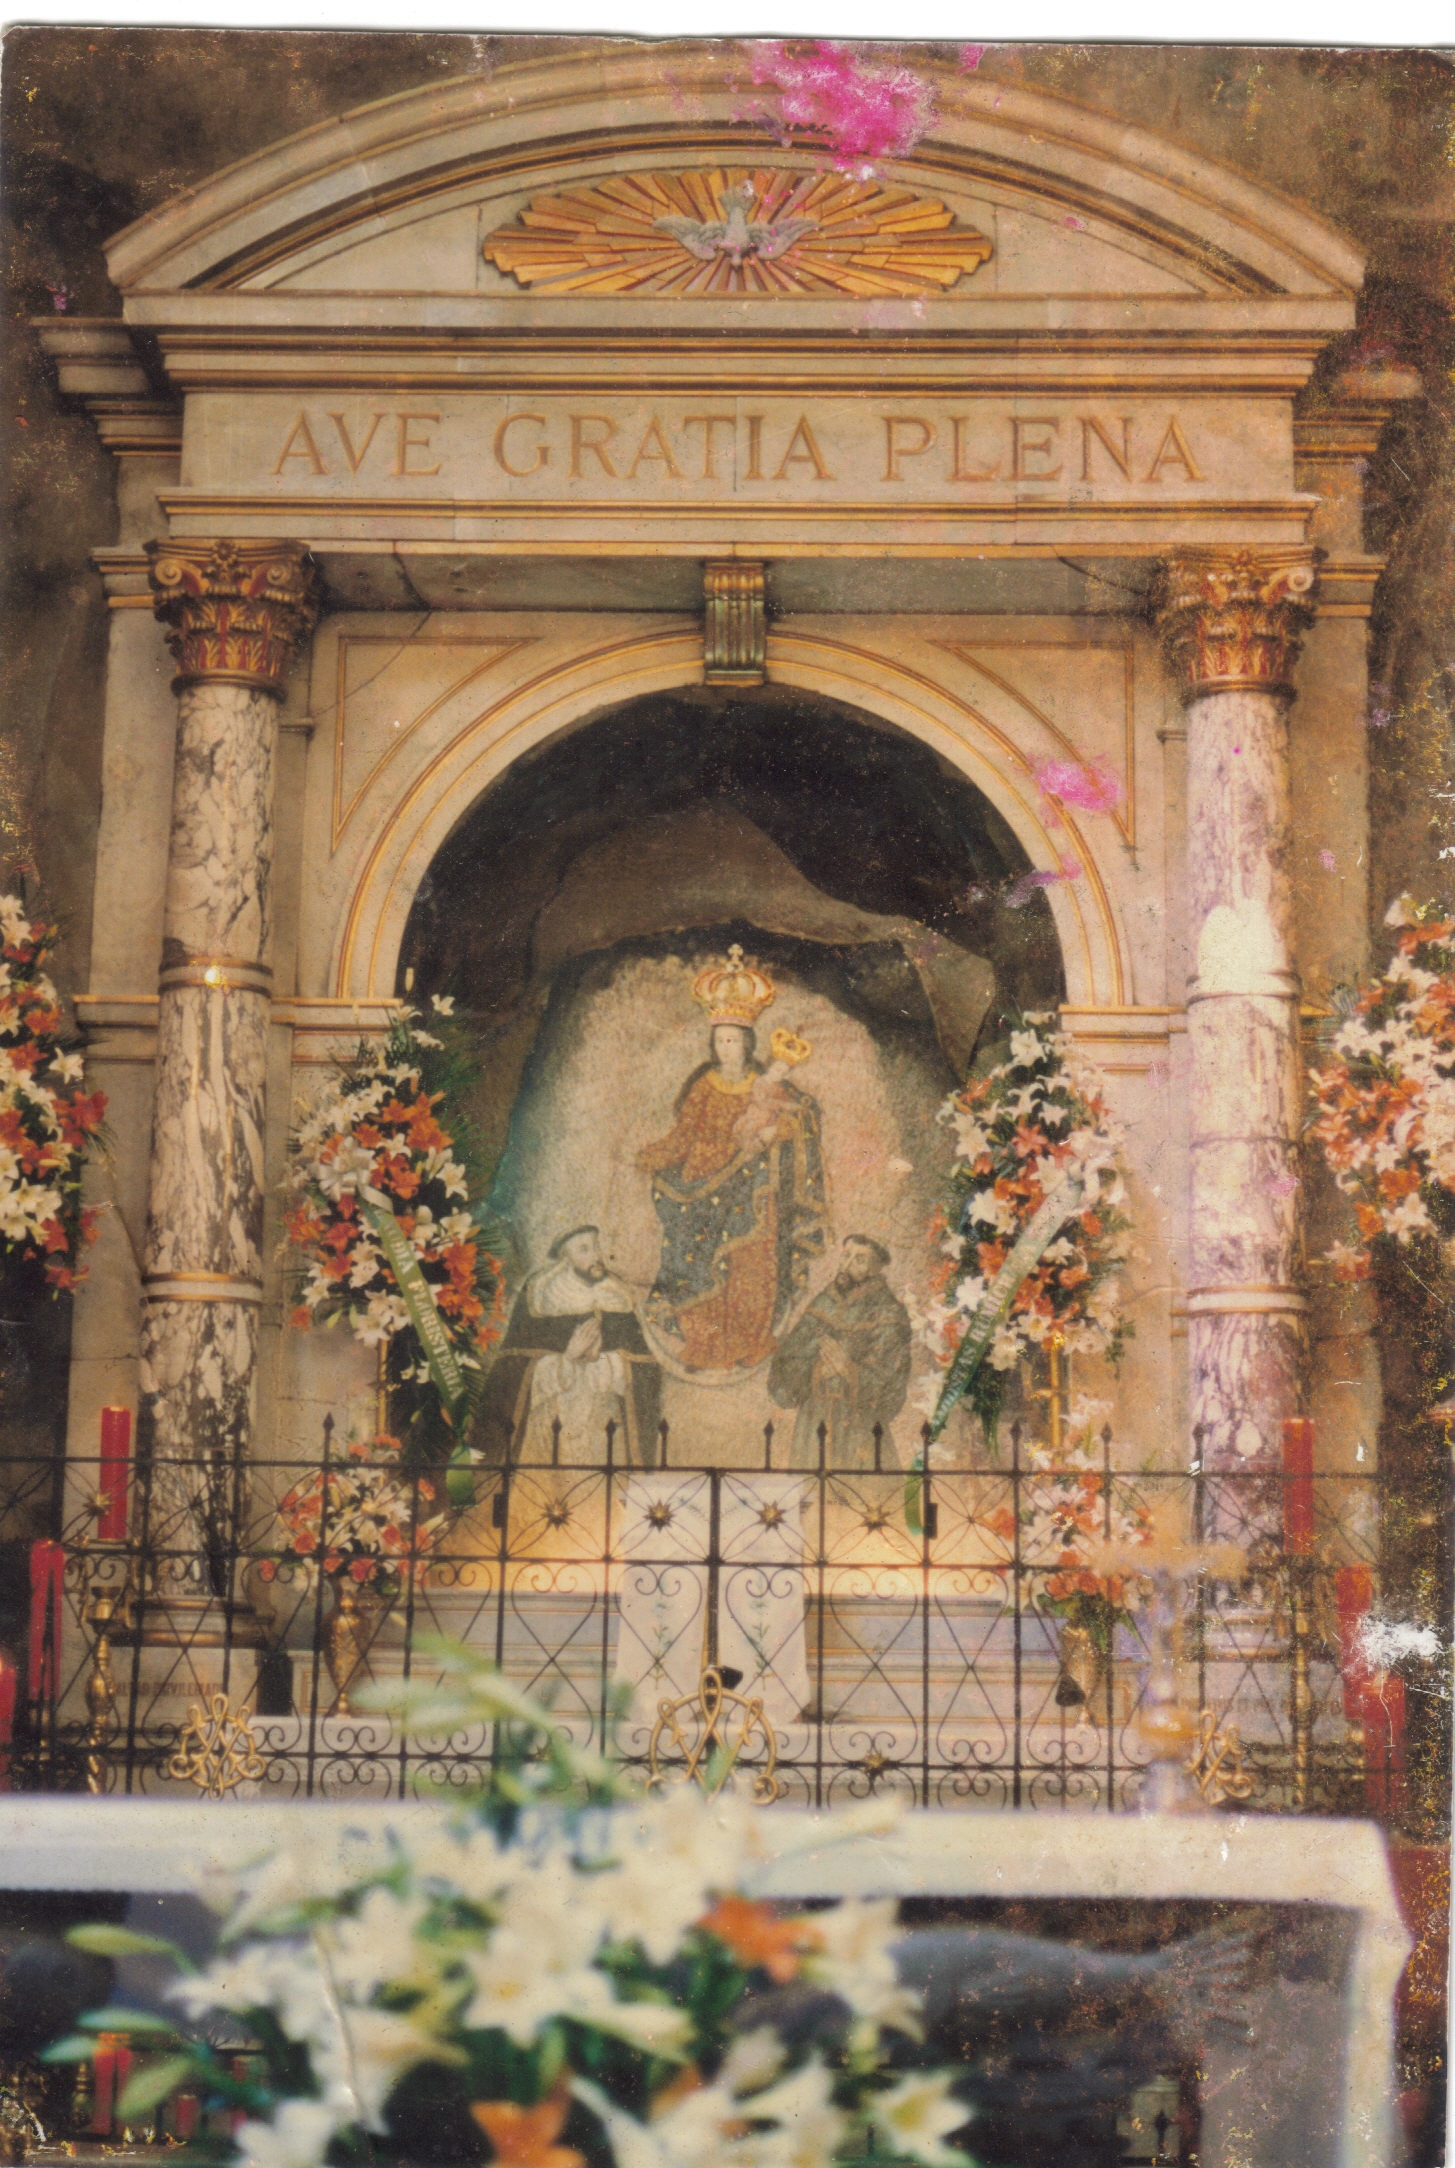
pixel 571 909
pixel 411 811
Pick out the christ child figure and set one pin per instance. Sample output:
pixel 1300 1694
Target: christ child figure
pixel 769 1106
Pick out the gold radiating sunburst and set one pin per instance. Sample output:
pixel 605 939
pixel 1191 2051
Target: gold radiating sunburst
pixel 737 230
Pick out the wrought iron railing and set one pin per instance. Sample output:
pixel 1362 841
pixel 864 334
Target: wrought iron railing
pixel 890 1629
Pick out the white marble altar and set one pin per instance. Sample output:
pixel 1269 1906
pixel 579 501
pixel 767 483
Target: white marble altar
pixel 1321 1867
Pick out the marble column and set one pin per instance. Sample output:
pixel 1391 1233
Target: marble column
pixel 235 613
pixel 1231 621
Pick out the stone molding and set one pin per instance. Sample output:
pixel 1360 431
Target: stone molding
pixel 680 101
pixel 99 369
pixel 237 610
pixel 1233 620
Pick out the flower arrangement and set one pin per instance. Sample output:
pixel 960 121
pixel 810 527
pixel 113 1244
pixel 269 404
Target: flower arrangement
pixel 1072 1509
pixel 361 1517
pixel 1385 1105
pixel 566 1987
pixel 1036 1232
pixel 46 1117
pixel 382 1214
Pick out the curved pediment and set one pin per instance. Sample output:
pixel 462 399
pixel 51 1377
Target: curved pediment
pixel 499 189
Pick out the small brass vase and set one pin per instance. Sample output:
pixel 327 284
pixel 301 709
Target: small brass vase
pixel 1081 1668
pixel 348 1634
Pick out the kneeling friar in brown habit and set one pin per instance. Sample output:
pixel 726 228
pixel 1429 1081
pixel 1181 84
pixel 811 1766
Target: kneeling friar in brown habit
pixel 845 1364
pixel 574 1355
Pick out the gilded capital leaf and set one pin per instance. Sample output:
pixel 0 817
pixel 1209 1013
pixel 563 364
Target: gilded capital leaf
pixel 1232 620
pixel 235 610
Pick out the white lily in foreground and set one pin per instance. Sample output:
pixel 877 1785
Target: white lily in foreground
pixel 917 2116
pixel 297 2137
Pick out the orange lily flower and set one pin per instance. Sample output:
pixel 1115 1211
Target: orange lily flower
pixel 757 1935
pixel 525 2137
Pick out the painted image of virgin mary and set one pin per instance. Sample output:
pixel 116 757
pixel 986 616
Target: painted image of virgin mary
pixel 738 1185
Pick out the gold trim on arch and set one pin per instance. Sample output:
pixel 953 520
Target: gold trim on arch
pixel 961 166
pixel 635 652
pixel 1034 821
pixel 504 647
pixel 970 652
pixel 690 639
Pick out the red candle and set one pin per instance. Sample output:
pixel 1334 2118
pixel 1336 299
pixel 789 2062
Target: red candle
pixel 184 2115
pixel 1353 1600
pixel 123 2072
pixel 1298 1486
pixel 115 1467
pixel 1383 1699
pixel 103 2087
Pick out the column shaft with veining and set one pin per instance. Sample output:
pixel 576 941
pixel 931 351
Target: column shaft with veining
pixel 1231 622
pixel 235 612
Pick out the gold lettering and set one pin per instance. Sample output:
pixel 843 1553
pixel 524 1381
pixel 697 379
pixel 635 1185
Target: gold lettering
pixel 959 472
pixel 580 443
pixel 894 451
pixel 1173 451
pixel 810 456
pixel 355 458
pixel 1023 448
pixel 306 450
pixel 408 444
pixel 662 455
pixel 1091 427
pixel 541 450
pixel 707 423
pixel 755 449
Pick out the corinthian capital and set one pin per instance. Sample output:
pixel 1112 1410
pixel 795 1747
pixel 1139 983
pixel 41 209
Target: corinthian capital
pixel 1231 620
pixel 236 610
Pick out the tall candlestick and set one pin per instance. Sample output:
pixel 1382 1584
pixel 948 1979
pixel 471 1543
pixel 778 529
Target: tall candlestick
pixel 47 1610
pixel 1298 1486
pixel 115 1469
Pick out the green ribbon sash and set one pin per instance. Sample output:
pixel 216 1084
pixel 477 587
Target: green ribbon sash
pixel 1034 1239
pixel 418 1298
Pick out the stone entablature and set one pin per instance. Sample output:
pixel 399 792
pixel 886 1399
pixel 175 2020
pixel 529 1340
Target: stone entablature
pixel 476 317
pixel 931 468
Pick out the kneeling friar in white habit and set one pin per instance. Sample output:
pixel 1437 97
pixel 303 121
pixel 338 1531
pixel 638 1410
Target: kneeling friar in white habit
pixel 574 1355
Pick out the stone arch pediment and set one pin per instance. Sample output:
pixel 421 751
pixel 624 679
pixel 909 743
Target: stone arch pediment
pixel 397 197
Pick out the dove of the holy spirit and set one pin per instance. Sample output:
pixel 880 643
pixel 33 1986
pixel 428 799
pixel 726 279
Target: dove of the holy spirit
pixel 735 235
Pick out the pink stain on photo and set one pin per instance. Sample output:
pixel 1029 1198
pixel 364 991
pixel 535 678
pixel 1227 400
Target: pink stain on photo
pixel 1019 894
pixel 1092 787
pixel 860 110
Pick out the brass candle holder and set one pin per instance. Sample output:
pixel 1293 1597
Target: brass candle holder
pixel 104 1614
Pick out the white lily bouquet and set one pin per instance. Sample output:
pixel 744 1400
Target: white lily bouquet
pixel 546 1984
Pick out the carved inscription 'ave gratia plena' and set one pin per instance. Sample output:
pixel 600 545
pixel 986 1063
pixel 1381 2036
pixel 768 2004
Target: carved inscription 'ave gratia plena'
pixel 704 448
